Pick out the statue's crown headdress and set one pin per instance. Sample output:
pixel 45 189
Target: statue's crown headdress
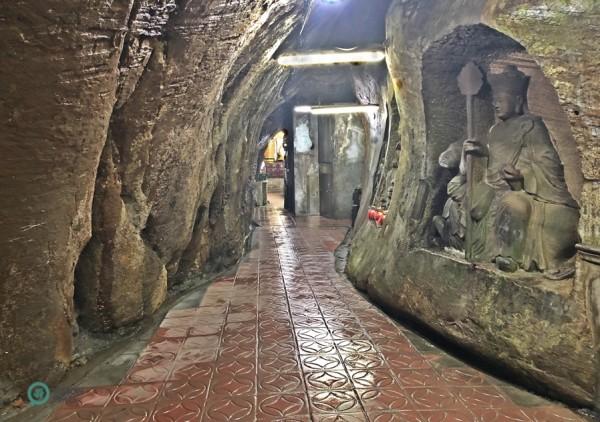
pixel 510 80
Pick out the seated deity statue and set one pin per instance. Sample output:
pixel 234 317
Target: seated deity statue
pixel 522 213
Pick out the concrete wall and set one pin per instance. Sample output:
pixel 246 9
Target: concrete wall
pixel 306 164
pixel 327 174
pixel 348 142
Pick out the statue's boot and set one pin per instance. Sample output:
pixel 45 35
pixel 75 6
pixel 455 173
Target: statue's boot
pixel 440 227
pixel 508 265
pixel 560 274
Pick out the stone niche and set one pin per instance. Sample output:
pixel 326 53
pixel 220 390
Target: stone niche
pixel 445 115
pixel 543 332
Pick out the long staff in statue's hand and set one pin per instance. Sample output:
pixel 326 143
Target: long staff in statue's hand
pixel 470 81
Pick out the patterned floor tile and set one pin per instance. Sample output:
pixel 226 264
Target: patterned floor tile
pixel 276 349
pixel 347 347
pixel 505 414
pixel 334 401
pixel 67 414
pixel 181 322
pixel 330 362
pixel 364 361
pixel 289 339
pixel 312 334
pixel 200 343
pixel 384 400
pixel 282 363
pixel 211 310
pixel 328 380
pixel 93 397
pixel 229 409
pixel 185 371
pixel 348 333
pixel 377 378
pixel 430 398
pixel 408 416
pixel 189 390
pixel 317 347
pixel 463 377
pixel 248 327
pixel 165 345
pixel 309 322
pixel 136 394
pixel 241 317
pixel 145 373
pixel 418 377
pixel 233 386
pixel 132 413
pixel 178 410
pixel 552 414
pixel 274 325
pixel 285 335
pixel 281 406
pixel 235 367
pixel 402 361
pixel 481 397
pixel 205 330
pixel 280 382
pixel 245 352
pixel 340 417
pixel 394 345
pixel 238 338
pixel 169 333
pixel 448 416
pixel 197 355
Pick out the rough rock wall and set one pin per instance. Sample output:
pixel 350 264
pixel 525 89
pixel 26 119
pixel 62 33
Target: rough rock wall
pixel 59 75
pixel 143 107
pixel 558 36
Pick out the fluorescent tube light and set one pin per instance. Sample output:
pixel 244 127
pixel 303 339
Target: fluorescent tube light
pixel 337 109
pixel 303 109
pixel 313 58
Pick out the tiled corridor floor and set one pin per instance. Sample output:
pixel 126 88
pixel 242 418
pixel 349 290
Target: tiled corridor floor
pixel 288 339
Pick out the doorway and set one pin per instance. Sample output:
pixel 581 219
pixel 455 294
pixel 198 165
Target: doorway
pixel 329 163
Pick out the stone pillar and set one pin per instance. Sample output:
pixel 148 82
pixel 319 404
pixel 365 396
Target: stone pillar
pixel 306 164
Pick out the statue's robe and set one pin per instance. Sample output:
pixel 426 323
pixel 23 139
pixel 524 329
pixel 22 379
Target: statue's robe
pixel 537 225
pixel 453 214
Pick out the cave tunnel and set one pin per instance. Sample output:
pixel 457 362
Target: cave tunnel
pixel 300 210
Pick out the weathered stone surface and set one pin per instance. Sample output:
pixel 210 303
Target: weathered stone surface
pixel 150 109
pixel 59 78
pixel 461 302
pixel 172 157
pixel 499 316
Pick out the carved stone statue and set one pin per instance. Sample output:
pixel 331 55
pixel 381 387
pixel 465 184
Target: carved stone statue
pixel 451 225
pixel 522 213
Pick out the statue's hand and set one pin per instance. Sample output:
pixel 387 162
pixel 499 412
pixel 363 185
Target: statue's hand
pixel 474 147
pixel 513 177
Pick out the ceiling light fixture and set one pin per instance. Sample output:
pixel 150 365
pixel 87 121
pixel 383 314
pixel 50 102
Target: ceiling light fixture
pixel 327 57
pixel 338 109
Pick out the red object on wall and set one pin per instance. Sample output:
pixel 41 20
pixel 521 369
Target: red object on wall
pixel 377 216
